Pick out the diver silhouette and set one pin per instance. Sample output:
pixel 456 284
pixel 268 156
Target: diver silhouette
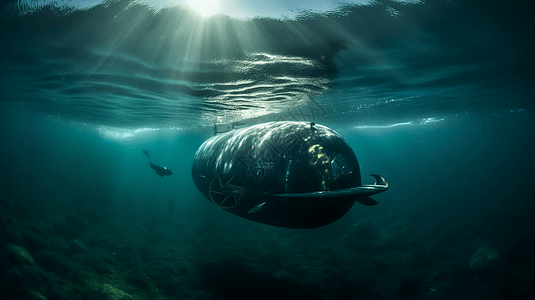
pixel 162 171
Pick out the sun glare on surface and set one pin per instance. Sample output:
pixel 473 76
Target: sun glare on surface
pixel 206 8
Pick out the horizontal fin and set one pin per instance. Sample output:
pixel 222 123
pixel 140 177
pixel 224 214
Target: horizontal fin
pixel 365 190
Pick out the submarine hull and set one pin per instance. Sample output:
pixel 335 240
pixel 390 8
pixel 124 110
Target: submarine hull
pixel 286 174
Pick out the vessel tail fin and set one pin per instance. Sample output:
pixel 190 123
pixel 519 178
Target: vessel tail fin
pixel 379 180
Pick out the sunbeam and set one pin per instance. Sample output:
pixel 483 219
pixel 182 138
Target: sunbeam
pixel 206 8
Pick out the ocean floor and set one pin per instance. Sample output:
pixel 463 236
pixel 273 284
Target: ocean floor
pixel 130 253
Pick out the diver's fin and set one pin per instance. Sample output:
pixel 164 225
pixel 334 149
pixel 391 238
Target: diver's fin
pixel 256 208
pixel 145 152
pixel 365 190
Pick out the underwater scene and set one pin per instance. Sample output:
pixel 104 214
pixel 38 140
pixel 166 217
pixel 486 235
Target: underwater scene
pixel 214 150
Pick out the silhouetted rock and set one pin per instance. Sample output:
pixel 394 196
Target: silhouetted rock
pixel 76 246
pixel 19 255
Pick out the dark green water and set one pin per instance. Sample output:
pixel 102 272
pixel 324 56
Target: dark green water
pixel 437 98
